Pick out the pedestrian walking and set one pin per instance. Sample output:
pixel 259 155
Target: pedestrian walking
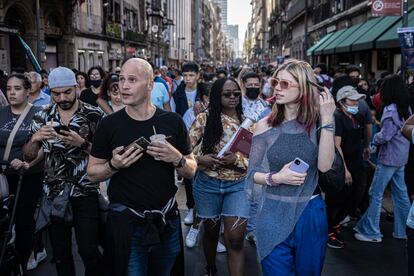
pixel 65 131
pixel 291 206
pixel 392 157
pixel 142 223
pixel 219 184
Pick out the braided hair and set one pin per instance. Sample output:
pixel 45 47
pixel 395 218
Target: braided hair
pixel 214 129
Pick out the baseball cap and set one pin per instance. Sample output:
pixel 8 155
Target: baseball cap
pixel 61 77
pixel 349 92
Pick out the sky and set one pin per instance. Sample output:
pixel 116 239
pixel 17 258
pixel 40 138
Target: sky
pixel 239 12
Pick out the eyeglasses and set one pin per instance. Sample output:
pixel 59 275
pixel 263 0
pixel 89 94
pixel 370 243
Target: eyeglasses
pixel 284 84
pixel 228 93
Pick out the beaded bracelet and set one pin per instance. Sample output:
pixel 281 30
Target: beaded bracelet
pixel 329 127
pixel 269 181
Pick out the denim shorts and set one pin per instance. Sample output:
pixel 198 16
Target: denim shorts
pixel 215 198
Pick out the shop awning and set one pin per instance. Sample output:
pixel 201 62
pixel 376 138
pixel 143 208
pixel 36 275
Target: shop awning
pixel 345 45
pixel 318 51
pixel 389 39
pixel 366 41
pixel 331 48
pixel 310 51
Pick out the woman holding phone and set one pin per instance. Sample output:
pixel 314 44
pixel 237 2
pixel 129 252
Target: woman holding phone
pixel 219 182
pixel 292 226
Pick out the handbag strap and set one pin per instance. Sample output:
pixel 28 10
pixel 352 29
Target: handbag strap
pixel 14 131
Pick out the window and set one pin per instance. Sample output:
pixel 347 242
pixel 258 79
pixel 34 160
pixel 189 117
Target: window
pixel 117 13
pixel 91 60
pixel 89 7
pixel 81 62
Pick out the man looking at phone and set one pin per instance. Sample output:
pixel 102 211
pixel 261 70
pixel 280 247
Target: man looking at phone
pixel 142 224
pixel 65 131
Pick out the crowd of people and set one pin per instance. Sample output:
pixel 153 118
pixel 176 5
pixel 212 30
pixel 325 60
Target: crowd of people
pixel 67 134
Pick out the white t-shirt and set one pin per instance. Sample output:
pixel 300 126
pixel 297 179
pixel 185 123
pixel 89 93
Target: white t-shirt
pixel 189 117
pixel 191 96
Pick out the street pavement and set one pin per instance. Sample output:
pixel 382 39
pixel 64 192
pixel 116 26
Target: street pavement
pixel 356 258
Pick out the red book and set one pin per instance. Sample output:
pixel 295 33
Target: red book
pixel 242 142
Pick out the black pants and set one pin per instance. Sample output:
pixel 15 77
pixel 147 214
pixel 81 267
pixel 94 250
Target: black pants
pixel 345 202
pixel 188 184
pixel 410 250
pixel 86 222
pixel 30 192
pixel 366 178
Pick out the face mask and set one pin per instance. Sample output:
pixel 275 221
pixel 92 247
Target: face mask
pixel 352 109
pixel 95 83
pixel 252 93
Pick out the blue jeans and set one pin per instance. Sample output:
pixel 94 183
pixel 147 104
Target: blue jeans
pixel 303 252
pixel 155 260
pixel 217 198
pixel 369 225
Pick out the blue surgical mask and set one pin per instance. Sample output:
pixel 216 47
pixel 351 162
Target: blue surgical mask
pixel 352 109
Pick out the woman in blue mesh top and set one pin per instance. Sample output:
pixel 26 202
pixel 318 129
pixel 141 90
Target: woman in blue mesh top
pixel 291 224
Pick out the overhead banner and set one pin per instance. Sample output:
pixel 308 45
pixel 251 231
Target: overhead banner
pixel 406 36
pixel 386 7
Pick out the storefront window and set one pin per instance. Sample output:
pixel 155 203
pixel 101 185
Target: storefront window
pixel 81 62
pixel 382 57
pixel 91 60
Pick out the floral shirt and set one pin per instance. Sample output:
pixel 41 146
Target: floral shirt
pixel 230 126
pixel 67 164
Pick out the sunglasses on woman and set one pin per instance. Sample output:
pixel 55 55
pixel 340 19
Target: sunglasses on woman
pixel 235 93
pixel 284 84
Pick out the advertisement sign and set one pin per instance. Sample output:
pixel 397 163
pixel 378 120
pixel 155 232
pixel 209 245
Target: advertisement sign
pixel 386 7
pixel 406 36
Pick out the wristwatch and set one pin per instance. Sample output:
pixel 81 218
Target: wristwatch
pixel 84 145
pixel 181 163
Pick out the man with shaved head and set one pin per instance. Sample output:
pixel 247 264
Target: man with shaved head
pixel 142 224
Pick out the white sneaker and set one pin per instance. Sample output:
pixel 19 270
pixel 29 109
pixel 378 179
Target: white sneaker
pixel 34 261
pixel 191 239
pixel 189 218
pixel 221 248
pixel 345 221
pixel 364 238
pixel 41 256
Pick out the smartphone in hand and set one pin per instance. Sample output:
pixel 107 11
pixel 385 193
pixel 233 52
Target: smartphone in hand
pixel 299 166
pixel 132 145
pixel 59 128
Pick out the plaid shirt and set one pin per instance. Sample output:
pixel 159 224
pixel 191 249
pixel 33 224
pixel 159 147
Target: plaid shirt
pixel 67 164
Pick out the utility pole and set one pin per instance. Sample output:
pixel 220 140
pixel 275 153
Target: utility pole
pixel 404 25
pixel 39 58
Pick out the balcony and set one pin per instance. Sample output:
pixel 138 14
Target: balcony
pixel 134 36
pixel 114 29
pixel 295 9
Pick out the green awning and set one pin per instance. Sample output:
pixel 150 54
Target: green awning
pixel 366 42
pixel 309 52
pixel 389 39
pixel 345 45
pixel 331 48
pixel 318 51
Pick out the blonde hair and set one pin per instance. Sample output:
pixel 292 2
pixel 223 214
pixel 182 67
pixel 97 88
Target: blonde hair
pixel 308 99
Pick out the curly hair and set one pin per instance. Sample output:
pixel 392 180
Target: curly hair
pixel 214 129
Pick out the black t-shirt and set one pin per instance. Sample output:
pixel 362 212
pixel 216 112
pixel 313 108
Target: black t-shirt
pixel 352 133
pixel 146 184
pixel 87 96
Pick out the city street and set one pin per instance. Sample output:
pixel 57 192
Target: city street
pixel 356 258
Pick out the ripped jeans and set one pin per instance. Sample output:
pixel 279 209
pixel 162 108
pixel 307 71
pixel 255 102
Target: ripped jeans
pixel 216 198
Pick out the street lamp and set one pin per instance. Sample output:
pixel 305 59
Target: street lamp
pixel 179 49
